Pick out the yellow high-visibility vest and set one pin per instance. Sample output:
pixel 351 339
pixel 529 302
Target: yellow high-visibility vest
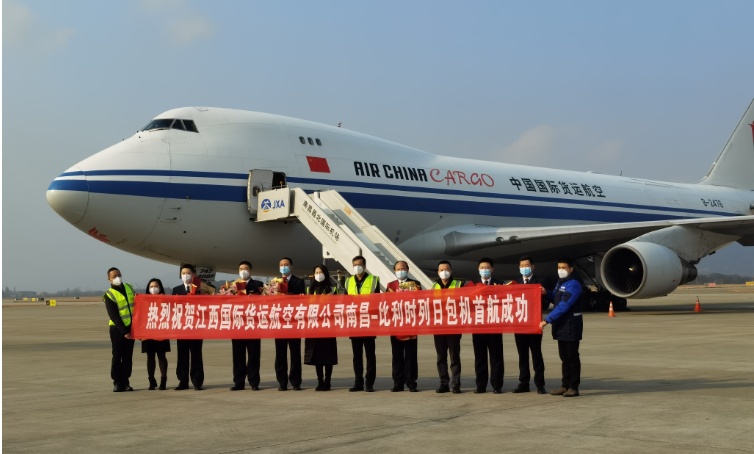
pixel 125 303
pixel 370 285
pixel 453 284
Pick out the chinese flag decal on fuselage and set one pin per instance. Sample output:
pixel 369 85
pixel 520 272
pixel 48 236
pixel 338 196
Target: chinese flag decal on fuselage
pixel 318 164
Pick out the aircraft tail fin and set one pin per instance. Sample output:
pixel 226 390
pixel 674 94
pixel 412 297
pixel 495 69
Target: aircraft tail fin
pixel 734 167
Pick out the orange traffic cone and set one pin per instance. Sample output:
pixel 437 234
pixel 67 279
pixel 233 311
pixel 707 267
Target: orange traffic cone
pixel 611 312
pixel 698 307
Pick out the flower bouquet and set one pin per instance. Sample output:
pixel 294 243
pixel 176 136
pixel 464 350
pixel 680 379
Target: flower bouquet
pixel 237 287
pixel 276 286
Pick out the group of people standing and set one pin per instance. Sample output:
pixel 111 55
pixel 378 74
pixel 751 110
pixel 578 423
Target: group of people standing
pixel 566 320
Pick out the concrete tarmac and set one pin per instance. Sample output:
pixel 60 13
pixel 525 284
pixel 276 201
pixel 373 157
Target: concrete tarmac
pixel 659 378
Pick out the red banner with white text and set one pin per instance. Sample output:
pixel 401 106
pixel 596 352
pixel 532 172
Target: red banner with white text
pixel 480 309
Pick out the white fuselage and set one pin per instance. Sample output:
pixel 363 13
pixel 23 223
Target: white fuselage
pixel 179 196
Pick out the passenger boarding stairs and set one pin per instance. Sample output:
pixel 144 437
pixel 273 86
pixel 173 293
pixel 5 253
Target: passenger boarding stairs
pixel 341 230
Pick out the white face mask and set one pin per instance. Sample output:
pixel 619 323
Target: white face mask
pixel 154 290
pixel 525 271
pixel 358 269
pixel 285 269
pixel 444 275
pixel 245 275
pixel 186 278
pixel 117 281
pixel 563 274
pixel 319 277
pixel 485 273
pixel 401 274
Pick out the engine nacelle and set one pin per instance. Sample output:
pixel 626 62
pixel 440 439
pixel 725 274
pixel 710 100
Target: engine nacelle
pixel 640 269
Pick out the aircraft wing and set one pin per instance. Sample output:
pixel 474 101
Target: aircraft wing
pixel 580 240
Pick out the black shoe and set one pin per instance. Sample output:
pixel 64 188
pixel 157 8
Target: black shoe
pixel 118 389
pixel 326 386
pixel 198 388
pixel 320 385
pixel 456 390
pixel 413 389
pixel 442 389
pixel 369 389
pixel 396 389
pixel 479 390
pixel 255 388
pixel 163 383
pixel 128 388
pixel 521 389
pixel 297 388
pixel 152 384
pixel 497 391
pixel 181 387
pixel 541 390
pixel 237 388
pixel 283 388
pixel 356 388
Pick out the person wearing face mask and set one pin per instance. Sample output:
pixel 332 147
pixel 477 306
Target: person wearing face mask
pixel 246 352
pixel 530 342
pixel 322 352
pixel 190 362
pixel 296 286
pixel 404 348
pixel 362 283
pixel 156 347
pixel 567 327
pixel 448 344
pixel 119 302
pixel 488 344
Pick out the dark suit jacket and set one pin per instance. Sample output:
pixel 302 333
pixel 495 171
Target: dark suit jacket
pixel 181 290
pixel 296 285
pixel 254 287
pixel 534 279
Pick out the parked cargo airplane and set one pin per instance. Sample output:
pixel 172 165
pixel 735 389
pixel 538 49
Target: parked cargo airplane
pixel 183 189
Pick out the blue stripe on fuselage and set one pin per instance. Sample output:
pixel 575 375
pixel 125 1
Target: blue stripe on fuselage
pixel 228 193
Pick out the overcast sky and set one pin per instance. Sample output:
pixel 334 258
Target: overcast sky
pixel 651 89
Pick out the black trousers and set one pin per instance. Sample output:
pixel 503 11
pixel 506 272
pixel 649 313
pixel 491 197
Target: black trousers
pixel 492 345
pixel 569 356
pixel 449 344
pixel 524 344
pixel 281 362
pixel 323 372
pixel 246 354
pixel 405 362
pixel 190 362
pixel 361 346
pixel 123 353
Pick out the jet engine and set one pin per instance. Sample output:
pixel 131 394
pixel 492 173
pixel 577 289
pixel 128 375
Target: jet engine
pixel 640 269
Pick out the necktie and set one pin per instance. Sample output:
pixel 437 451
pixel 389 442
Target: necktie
pixel 285 279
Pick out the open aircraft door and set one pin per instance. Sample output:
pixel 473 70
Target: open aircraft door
pixel 261 180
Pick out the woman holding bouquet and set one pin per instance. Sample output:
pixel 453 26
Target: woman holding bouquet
pixel 156 347
pixel 321 353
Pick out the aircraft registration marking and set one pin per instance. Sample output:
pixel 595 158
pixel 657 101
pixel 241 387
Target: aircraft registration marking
pixel 712 203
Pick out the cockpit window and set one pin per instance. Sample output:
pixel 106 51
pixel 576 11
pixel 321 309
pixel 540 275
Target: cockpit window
pixel 190 125
pixel 158 123
pixel 171 123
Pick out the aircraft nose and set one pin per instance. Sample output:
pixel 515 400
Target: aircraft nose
pixel 68 195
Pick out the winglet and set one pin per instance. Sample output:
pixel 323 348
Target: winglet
pixel 734 167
